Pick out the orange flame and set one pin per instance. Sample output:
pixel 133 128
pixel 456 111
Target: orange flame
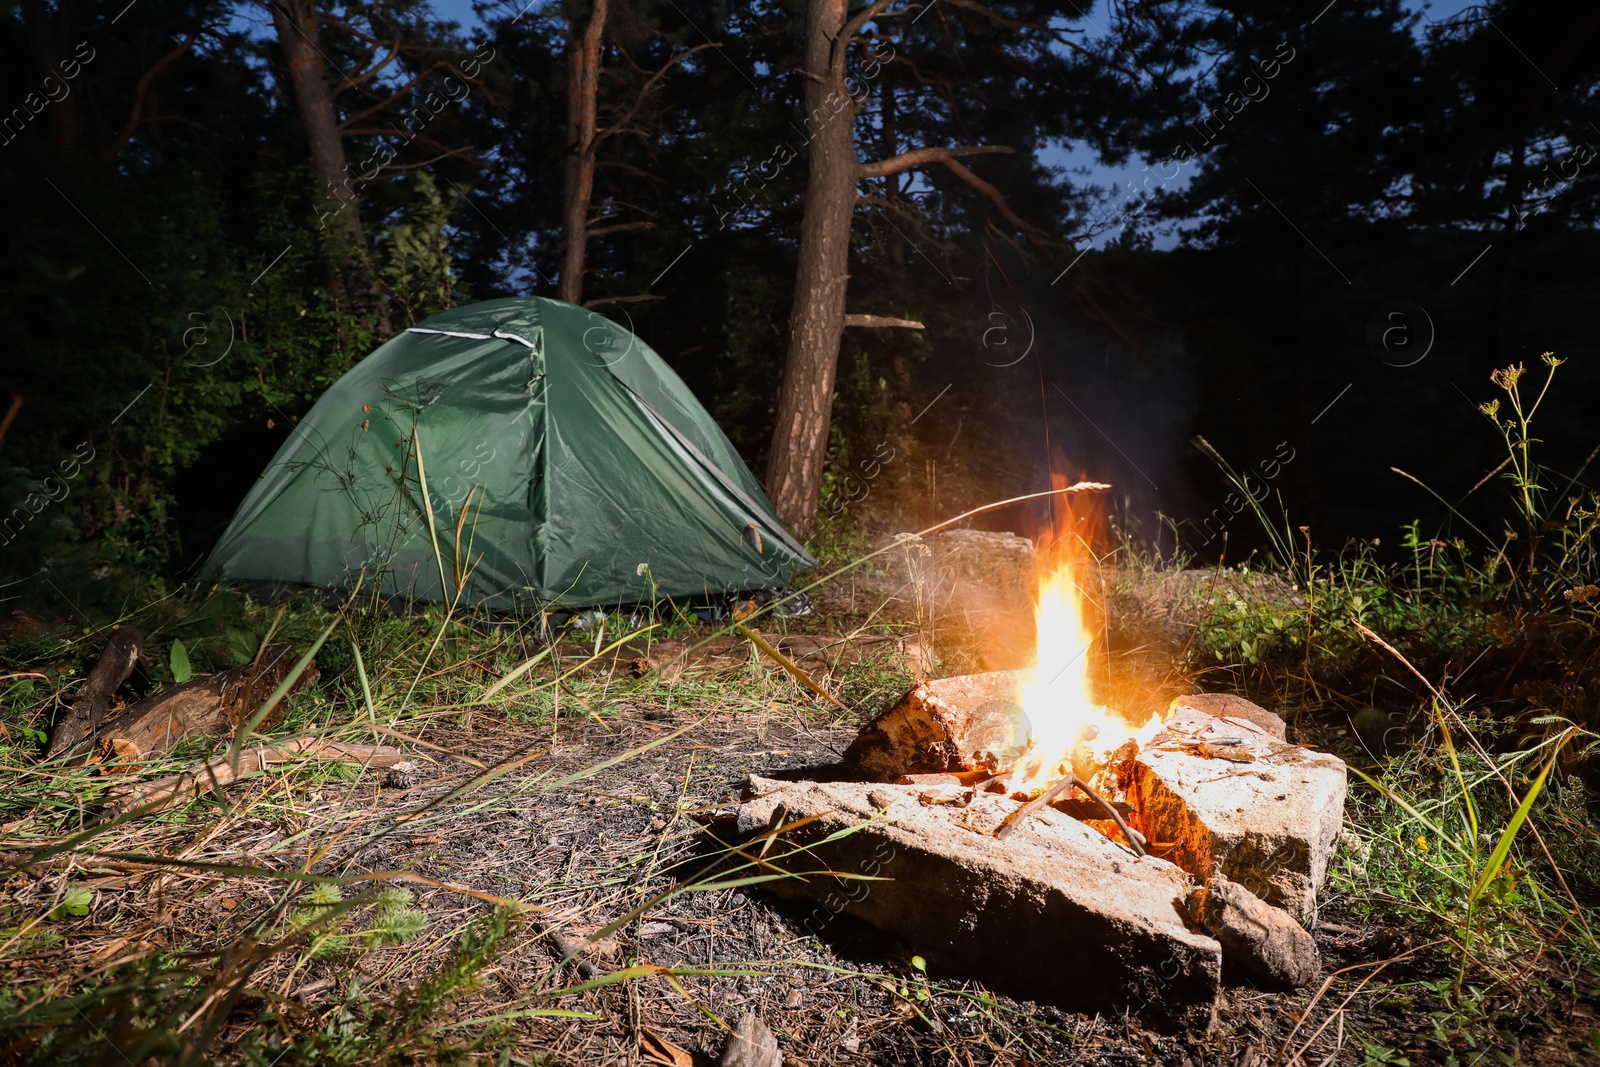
pixel 1067 728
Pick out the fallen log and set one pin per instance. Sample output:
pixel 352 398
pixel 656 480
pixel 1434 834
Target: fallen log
pixel 82 718
pixel 163 793
pixel 210 706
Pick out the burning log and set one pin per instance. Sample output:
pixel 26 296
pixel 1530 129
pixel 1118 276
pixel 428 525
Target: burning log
pixel 973 730
pixel 939 727
pixel 1213 782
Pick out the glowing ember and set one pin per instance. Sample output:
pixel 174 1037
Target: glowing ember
pixel 1067 730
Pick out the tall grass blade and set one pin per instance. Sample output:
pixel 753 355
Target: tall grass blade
pixel 248 728
pixel 789 665
pixel 1502 848
pixel 427 507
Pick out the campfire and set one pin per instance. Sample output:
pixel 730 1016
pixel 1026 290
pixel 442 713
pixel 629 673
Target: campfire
pixel 995 815
pixel 1058 738
pixel 1048 739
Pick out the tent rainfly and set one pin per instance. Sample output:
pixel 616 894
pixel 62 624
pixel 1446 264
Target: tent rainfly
pixel 564 462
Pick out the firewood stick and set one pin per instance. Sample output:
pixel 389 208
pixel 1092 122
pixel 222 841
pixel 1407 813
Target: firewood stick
pixel 1016 818
pixel 1135 839
pixel 163 793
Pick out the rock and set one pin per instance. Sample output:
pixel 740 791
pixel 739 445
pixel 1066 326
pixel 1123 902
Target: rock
pixel 1055 913
pixel 977 590
pixel 752 1045
pixel 1264 940
pixel 1001 562
pixel 1269 824
pixel 931 729
pixel 1228 706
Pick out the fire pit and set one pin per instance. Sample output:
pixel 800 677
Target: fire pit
pixel 1008 827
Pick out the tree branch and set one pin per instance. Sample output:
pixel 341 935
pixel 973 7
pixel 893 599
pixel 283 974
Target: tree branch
pixel 329 19
pixel 622 300
pixel 882 322
pixel 620 227
pixel 998 199
pixel 644 92
pixel 141 92
pixel 372 72
pixel 841 43
pixel 921 156
pixel 446 151
pixel 388 102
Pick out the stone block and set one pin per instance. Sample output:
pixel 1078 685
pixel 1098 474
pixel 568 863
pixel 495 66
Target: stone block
pixel 1227 706
pixel 930 729
pixel 978 590
pixel 1269 824
pixel 1056 912
pixel 1264 940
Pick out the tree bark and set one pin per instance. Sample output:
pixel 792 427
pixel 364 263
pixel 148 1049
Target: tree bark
pixel 298 32
pixel 881 322
pixel 66 120
pixel 583 93
pixel 164 793
pixel 211 706
pixel 82 719
pixel 816 322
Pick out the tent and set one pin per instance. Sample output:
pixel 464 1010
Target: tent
pixel 564 462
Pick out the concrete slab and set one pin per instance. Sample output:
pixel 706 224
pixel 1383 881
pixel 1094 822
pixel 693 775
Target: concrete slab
pixel 1056 912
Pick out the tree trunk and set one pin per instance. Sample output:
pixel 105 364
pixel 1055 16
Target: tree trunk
pixel 816 323
pixel 899 366
pixel 66 122
pixel 583 91
pixel 298 31
pixel 296 23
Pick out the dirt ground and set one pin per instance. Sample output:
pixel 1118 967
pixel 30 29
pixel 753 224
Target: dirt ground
pixel 592 819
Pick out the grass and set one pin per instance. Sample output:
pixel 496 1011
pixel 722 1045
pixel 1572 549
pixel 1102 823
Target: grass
pixel 1459 672
pixel 292 910
pixel 312 916
pixel 227 986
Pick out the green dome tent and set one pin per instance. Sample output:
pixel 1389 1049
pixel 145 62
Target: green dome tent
pixel 565 462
